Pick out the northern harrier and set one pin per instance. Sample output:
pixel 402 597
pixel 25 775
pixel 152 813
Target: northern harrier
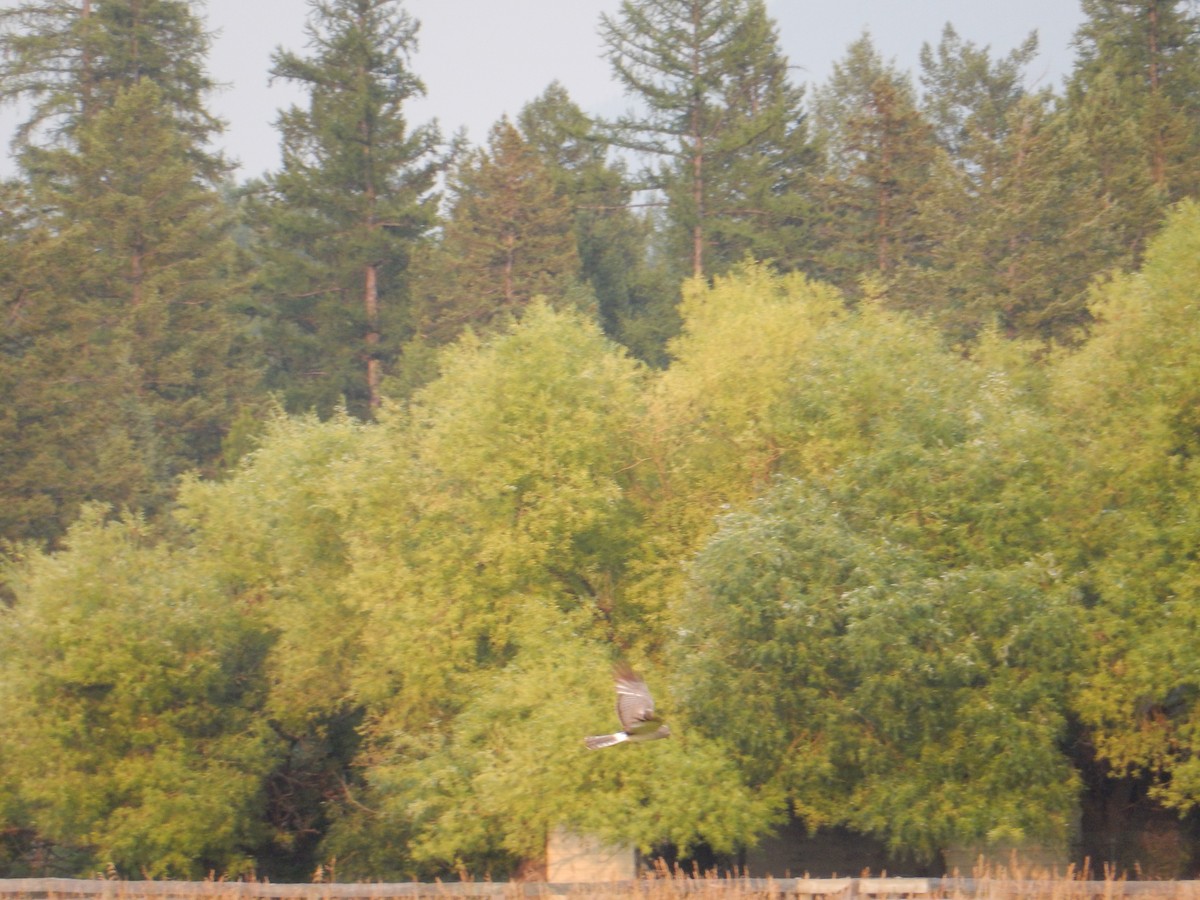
pixel 635 712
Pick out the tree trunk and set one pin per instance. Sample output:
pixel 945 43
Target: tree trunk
pixel 85 64
pixel 509 285
pixel 1158 152
pixel 698 228
pixel 371 304
pixel 697 153
pixel 136 277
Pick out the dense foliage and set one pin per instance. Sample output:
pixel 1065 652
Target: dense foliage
pixel 329 506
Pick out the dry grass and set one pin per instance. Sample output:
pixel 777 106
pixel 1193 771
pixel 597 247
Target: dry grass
pixel 1009 883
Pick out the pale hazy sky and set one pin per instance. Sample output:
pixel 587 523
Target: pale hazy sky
pixel 480 59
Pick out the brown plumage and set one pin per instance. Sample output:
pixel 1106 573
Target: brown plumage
pixel 635 712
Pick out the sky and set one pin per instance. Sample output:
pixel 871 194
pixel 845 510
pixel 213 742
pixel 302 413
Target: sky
pixel 481 59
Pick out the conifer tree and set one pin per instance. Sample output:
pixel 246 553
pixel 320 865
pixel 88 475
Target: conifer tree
pixel 124 355
pixel 878 153
pixel 758 189
pixel 712 81
pixel 341 217
pixel 1015 221
pixel 53 432
pixel 968 95
pixel 633 304
pixel 1134 95
pixel 1015 240
pixel 509 238
pixel 70 60
pixel 126 361
pixel 153 247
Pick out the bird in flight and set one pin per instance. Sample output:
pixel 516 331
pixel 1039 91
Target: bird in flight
pixel 635 712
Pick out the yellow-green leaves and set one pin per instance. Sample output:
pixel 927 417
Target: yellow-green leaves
pixel 876 685
pixel 869 581
pixel 132 687
pixel 494 528
pixel 275 536
pixel 863 637
pixel 1133 391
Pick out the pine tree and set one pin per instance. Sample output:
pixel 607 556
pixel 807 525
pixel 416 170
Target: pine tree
pixel 340 219
pixel 1015 221
pixel 124 356
pixel 127 364
pixel 1135 95
pixel 968 96
pixel 634 305
pixel 70 61
pixel 155 249
pixel 57 432
pixel 713 85
pixel 758 184
pixel 509 238
pixel 878 154
pixel 1016 240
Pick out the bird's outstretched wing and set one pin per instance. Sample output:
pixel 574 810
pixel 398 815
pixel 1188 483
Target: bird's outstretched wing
pixel 635 706
pixel 601 741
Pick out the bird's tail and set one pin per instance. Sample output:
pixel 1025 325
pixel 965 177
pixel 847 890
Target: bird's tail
pixel 605 740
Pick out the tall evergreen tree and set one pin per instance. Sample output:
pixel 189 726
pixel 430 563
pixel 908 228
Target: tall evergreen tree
pixel 53 432
pixel 968 96
pixel 1015 221
pixel 123 360
pixel 712 81
pixel 758 185
pixel 1135 94
pixel 69 60
pixel 126 365
pixel 633 300
pixel 878 154
pixel 1014 240
pixel 153 247
pixel 508 238
pixel 341 217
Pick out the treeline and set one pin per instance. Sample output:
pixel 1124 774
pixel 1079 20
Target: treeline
pixel 332 496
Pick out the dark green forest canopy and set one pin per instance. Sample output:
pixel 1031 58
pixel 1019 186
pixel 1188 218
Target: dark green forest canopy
pixel 863 421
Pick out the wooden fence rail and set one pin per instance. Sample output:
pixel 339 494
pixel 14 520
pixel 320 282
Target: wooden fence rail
pixel 651 889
